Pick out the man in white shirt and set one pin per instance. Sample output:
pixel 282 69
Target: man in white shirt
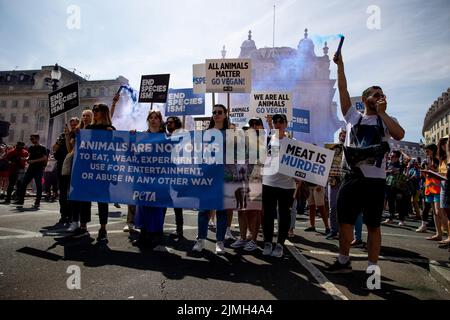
pixel 363 187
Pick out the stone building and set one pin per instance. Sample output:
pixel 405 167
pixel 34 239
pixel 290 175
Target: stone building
pixel 24 101
pixel 300 71
pixel 437 120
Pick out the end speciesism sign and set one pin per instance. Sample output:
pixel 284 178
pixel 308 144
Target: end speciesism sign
pixel 154 88
pixel 63 100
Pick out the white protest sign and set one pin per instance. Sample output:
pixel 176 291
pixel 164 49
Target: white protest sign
pixel 240 114
pixel 228 75
pixel 270 103
pixel 305 161
pixel 198 78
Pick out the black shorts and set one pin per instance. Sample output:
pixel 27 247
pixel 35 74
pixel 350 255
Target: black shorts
pixel 357 195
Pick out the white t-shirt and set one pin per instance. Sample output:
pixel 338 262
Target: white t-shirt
pixel 352 117
pixel 271 176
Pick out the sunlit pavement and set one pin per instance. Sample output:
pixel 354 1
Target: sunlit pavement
pixel 38 262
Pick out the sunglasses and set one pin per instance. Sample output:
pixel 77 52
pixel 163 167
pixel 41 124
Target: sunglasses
pixel 217 112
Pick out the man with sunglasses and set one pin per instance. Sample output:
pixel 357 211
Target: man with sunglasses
pixel 363 187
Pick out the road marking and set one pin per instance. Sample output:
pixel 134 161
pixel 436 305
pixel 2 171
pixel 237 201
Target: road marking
pixel 326 284
pixel 363 255
pixel 23 234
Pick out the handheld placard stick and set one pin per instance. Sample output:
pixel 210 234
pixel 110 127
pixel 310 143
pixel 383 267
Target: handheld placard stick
pixel 115 100
pixel 338 51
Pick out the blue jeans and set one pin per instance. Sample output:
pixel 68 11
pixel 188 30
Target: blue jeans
pixel 332 199
pixel 221 222
pixel 358 227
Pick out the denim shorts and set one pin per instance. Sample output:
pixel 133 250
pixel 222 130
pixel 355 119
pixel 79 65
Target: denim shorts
pixel 432 198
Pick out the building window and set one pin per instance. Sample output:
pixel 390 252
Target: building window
pixel 24 118
pixel 11 135
pixel 42 104
pixel 22 135
pixel 3 104
pixel 88 92
pixel 15 103
pixel 102 92
pixel 40 123
pixel 13 118
pixel 26 103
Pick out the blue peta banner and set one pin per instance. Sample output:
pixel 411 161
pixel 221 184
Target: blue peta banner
pixel 300 121
pixel 182 102
pixel 137 168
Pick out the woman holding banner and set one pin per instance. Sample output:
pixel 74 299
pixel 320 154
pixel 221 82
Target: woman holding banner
pixel 277 193
pixel 219 121
pixel 101 121
pixel 150 220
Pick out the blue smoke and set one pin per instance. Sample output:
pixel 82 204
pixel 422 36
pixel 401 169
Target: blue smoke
pixel 320 40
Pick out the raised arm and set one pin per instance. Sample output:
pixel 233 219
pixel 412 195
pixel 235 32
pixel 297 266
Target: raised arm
pixel 344 96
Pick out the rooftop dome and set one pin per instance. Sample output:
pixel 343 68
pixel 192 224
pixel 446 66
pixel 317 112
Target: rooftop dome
pixel 306 45
pixel 248 46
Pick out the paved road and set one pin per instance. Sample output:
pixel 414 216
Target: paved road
pixel 35 261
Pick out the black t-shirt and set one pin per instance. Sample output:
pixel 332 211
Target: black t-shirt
pixel 37 152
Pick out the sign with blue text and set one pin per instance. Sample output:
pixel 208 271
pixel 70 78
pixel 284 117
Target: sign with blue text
pixel 269 103
pixel 198 78
pixel 305 161
pixel 300 121
pixel 145 169
pixel 182 102
pixel 228 75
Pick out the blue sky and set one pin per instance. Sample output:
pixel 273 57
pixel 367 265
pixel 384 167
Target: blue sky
pixel 409 56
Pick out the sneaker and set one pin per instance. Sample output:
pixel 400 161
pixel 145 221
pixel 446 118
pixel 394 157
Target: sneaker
pixel 358 244
pixel 5 202
pixel 402 223
pixel 211 224
pixel 337 267
pixel 267 249
pixel 220 249
pixel 176 234
pixel 128 227
pixel 310 229
pixel 238 244
pixel 278 251
pixel 102 236
pixel 73 226
pixel 199 245
pixel 388 221
pixel 250 246
pixel 229 235
pixel 332 236
pixel 79 233
pixel 421 229
pixel 18 203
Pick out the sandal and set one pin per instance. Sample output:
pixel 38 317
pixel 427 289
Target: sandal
pixel 434 238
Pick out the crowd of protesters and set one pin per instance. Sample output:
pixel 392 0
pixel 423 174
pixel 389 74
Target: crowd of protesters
pixel 359 193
